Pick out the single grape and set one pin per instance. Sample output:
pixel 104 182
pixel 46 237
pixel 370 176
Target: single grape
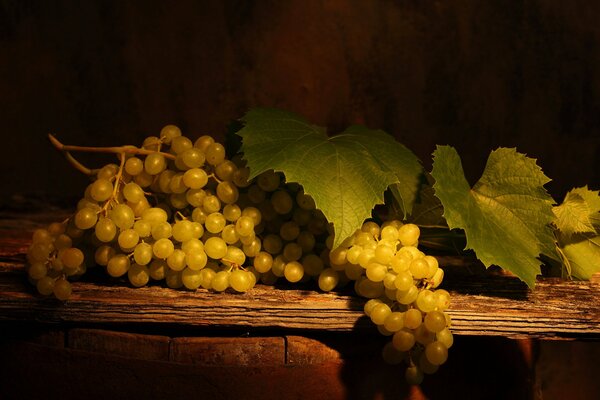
pixel 436 353
pixel 408 234
pixel 403 340
pixel 118 265
pixel 163 248
pixel 72 257
pixel 62 289
pixel 169 132
pixel 294 271
pixel 328 279
pixel 138 275
pixel 215 248
pixel 85 218
pixel 191 279
pixel 413 375
pixel 239 280
pixel 379 313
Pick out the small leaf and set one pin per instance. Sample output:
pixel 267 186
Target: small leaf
pixel 579 212
pixel 506 216
pixel 346 174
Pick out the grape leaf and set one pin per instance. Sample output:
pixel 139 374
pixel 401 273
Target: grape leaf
pixel 579 212
pixel 581 254
pixel 345 174
pixel 506 216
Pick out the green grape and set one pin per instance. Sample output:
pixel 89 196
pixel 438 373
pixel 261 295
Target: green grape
pixel 86 218
pixel 122 215
pixel 56 228
pixel 436 353
pixel 442 299
pixel 389 234
pixel 432 264
pixel 191 278
pixel 173 279
pixel 253 213
pixel 391 355
pixel 381 329
pixel 383 254
pixel 244 226
pixel 408 296
pixel 221 281
pixel 195 178
pixel 177 260
pixel 163 248
pixel 164 180
pixel 196 259
pixel 445 337
pixel 379 313
pixel 206 276
pixel 179 144
pixel 225 170
pixel 128 239
pixel 403 340
pixel 268 181
pixel 408 234
pixel 278 267
pixel 437 278
pixel 118 265
pixel 353 254
pixel 413 375
pixel 192 245
pixel 151 143
pixel 154 216
pixel 62 289
pixel 292 252
pixel 203 142
pixel 215 222
pixel 353 271
pixel 252 248
pixel 39 252
pixel 337 256
pixel 389 281
pixel 143 179
pixel 240 177
pixel 169 132
pixel 376 272
pixel 37 270
pixel 282 202
pixel 227 192
pixel 423 335
pixel 366 257
pixel 306 241
pixel 138 275
pixel 215 248
pixel 263 262
pixel 305 201
pixel 313 265
pixel 182 231
pixel 369 289
pixel 45 286
pixel 328 279
pixel 162 230
pixel 142 254
pixel 199 215
pixel 426 366
pixel 300 216
pixel 177 184
pixel 193 158
pixel 101 190
pixel 419 268
pixel 63 241
pixel 234 256
pixel 211 203
pixel 371 228
pixel 239 280
pixel 412 318
pixel 134 166
pixel 215 153
pixel 133 192
pixel 394 322
pixel 370 305
pixel 400 262
pixel 404 281
pixel 154 164
pixel 229 235
pixel 158 270
pixel 426 301
pixel 435 321
pixel 72 257
pixel 232 212
pixel 143 228
pixel 294 271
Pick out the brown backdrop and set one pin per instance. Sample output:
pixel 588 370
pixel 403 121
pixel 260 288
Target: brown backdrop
pixel 475 75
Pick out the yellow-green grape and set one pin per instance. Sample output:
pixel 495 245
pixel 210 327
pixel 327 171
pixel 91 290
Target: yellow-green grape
pixel 244 226
pixel 193 158
pixel 86 218
pixel 221 281
pixel 389 281
pixel 196 259
pixel 191 278
pixel 151 143
pixel 408 296
pixel 207 275
pixel 195 197
pixel 128 239
pixel 45 286
pixel 62 289
pixel 215 248
pixel 419 268
pixel 400 262
pixel 177 260
pixel 436 353
pixel 437 278
pixel 123 216
pixel 300 216
pixel 263 262
pixel 37 270
pixel 381 329
pixel 163 248
pixel 134 166
pixel 56 265
pixel 173 279
pixel 394 322
pixel 403 340
pixel 272 243
pixel 442 299
pixel 278 266
pixel 142 254
pixel 252 248
pixel 63 241
pixel 169 132
pixel 101 190
pixel 234 256
pixel 282 202
pixel 105 230
pixel 292 252
pixel 369 289
pixel 376 272
pixel 383 253
pixel 445 337
pixel 157 269
pixel 328 279
pixel 143 179
pixel 177 185
pixel 154 164
pixel 426 301
pixel 42 236
pixel 240 177
pixel 410 251
pixel 138 275
pixel 413 375
pixel 371 228
pixel 370 305
pixel 426 366
pixel 306 241
pixel 162 230
pixel 38 252
pixel 215 222
pixel 203 142
pixel 192 245
pixel 253 213
pixel 366 257
pixel 239 280
pixel 211 203
pixel 433 266
pixel 435 321
pixel 337 256
pixel 195 178
pixel 232 212
pixel 164 180
pixel 353 254
pixel 379 313
pixel 143 228
pixel 103 254
pixel 413 318
pixel 215 154
pixel 423 335
pixel 389 234
pixel 268 181
pixel 133 192
pixel 229 235
pixel 391 355
pixel 313 265
pixel 179 144
pixel 182 231
pixel 56 228
pixel 227 192
pixel 225 170
pixel 353 271
pixel 118 265
pixel 403 281
pixel 72 257
pixel 305 201
pixel 294 271
pixel 154 216
pixel 409 234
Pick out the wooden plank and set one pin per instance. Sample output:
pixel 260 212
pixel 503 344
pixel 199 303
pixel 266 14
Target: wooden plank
pixel 251 351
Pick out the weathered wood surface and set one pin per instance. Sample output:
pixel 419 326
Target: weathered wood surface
pixel 489 305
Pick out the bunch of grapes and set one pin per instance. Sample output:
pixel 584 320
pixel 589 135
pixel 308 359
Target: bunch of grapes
pixel 179 211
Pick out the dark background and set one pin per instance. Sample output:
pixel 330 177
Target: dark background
pixel 472 74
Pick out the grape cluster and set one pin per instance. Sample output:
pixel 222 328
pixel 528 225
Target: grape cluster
pixel 179 211
pixel 400 282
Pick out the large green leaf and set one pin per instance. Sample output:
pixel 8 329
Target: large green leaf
pixel 506 215
pixel 346 174
pixel 579 212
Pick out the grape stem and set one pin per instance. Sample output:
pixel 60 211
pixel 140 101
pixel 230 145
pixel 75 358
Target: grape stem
pixel 114 149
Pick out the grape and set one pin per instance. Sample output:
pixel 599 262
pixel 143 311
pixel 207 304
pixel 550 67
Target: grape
pixel 445 337
pixel 128 239
pixel 195 178
pixel 157 269
pixel 404 281
pixel 244 226
pixel 221 281
pixel 442 299
pixel 232 212
pixel 383 254
pixel 203 142
pixel 225 170
pixel 376 272
pixel 215 153
pixel 211 203
pixel 138 275
pixel 292 252
pixel 379 313
pixel 173 279
pixel 253 213
pixel 282 202
pixel 177 260
pixel 328 279
pixel 37 271
pixel 394 321
pixel 305 201
pixel 252 247
pixel 294 271
pixel 234 256
pixel 154 164
pixel 389 233
pixel 72 257
pixel 162 230
pixel 163 248
pixel 239 280
pixel 196 259
pixel 256 195
pixel 413 375
pixel 215 222
pixel 45 286
pixel 403 340
pixel 62 289
pixel 191 279
pixel 101 190
pixel 313 265
pixel 268 181
pixel 426 301
pixel 215 248
pixel 179 144
pixel 419 268
pixel 169 132
pixel 227 192
pixel 436 353
pixel 118 265
pixel 85 218
pixel 207 275
pixel 423 335
pixel 408 234
pixel 193 158
pixel 407 297
pixel 122 215
pixel 134 166
pixel 263 262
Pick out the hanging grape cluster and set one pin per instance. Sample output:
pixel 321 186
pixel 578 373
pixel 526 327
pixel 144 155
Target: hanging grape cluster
pixel 179 211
